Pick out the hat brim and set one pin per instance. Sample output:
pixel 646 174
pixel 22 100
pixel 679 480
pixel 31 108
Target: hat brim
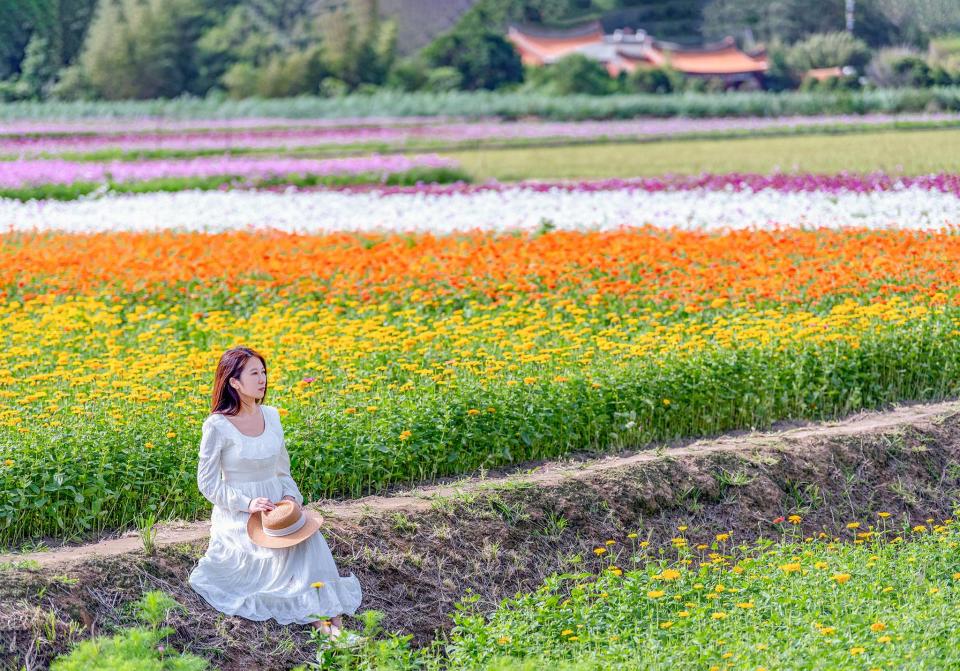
pixel 258 537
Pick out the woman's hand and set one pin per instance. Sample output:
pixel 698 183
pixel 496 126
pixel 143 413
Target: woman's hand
pixel 261 504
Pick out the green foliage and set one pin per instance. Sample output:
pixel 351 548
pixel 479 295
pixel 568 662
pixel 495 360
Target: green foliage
pixel 137 648
pixel 484 58
pixel 901 68
pixel 475 104
pixel 655 80
pixel 409 74
pixel 573 74
pixel 883 601
pixel 825 50
pixel 443 79
pixel 143 48
pixel 78 189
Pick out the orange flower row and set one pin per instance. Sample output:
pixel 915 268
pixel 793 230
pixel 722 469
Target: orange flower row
pixel 664 266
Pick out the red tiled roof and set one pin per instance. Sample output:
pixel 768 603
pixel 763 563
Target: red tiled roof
pixel 726 59
pixel 537 50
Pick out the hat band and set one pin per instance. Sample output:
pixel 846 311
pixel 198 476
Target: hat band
pixel 286 531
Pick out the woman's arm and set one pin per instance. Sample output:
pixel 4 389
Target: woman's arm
pixel 290 489
pixel 208 474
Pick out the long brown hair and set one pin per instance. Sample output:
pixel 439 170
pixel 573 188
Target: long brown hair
pixel 225 398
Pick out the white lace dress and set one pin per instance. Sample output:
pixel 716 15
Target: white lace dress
pixel 237 577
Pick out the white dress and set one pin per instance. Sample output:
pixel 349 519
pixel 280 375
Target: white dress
pixel 237 577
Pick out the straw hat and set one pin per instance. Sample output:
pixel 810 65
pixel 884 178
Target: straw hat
pixel 284 526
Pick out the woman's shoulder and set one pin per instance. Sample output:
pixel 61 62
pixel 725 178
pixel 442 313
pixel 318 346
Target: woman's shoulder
pixel 212 420
pixel 272 412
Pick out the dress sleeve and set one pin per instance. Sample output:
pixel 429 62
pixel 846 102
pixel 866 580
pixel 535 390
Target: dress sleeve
pixel 209 476
pixel 283 466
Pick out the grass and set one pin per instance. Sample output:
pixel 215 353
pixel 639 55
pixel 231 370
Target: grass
pixel 79 189
pixel 415 145
pixel 916 152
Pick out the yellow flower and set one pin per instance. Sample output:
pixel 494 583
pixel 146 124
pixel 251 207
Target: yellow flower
pixel 853 525
pixel 503 640
pixel 884 639
pixel 723 537
pixel 826 631
pixel 8 462
pixel 719 615
pixel 821 565
pixel 655 593
pixel 318 584
pixel 666 401
pixel 666 625
pixel 919 528
pixel 473 411
pixel 682 527
pixel 883 515
pixel 790 568
pixel 171 434
pixel 841 578
pixel 683 613
pixel 794 519
pixel 745 605
pixel 405 434
pixel 857 650
pixel 878 626
pixel 599 551
pixel 610 542
pixel 529 380
pixel 371 408
pixel 350 411
pixel 631 535
pixel 669 574
pixel 566 632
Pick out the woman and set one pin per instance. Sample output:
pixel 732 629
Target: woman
pixel 243 440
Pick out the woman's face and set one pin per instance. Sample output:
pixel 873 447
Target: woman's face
pixel 253 379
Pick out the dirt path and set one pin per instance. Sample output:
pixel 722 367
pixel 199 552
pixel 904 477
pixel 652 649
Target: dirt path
pixel 546 473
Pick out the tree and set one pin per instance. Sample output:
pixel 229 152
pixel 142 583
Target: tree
pixel 484 58
pixel 828 50
pixel 575 73
pixel 143 48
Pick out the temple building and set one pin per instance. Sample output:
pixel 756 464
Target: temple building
pixel 626 50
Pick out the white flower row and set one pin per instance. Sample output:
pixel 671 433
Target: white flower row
pixel 511 208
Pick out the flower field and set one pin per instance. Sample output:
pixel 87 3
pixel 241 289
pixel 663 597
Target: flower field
pixel 79 138
pixel 420 322
pixel 875 596
pixel 400 356
pixel 705 202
